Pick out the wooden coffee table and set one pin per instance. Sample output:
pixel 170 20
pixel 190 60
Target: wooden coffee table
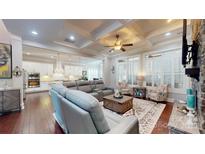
pixel 118 105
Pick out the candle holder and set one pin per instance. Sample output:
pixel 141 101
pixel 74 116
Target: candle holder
pixel 17 72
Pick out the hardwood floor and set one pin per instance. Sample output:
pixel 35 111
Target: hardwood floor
pixel 161 125
pixel 37 118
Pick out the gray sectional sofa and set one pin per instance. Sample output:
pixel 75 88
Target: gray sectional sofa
pixel 78 112
pixel 95 88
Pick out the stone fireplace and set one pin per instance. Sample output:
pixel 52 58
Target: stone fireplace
pixel 199 87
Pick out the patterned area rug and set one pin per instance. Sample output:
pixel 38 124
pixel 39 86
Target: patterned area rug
pixel 148 113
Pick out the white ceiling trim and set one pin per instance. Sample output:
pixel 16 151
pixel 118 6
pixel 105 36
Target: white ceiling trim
pixel 67 44
pixel 166 29
pixel 39 45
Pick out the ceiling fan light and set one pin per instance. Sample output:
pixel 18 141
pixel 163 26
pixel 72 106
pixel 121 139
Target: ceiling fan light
pixel 117 47
pixel 169 20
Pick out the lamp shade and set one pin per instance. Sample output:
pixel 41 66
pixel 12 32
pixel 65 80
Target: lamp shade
pixel 140 77
pixel 189 91
pixel 59 71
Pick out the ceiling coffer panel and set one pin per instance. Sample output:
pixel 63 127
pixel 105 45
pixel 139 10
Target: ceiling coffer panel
pixel 91 35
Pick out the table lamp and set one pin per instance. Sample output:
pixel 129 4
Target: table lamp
pixel 140 80
pixel 189 91
pixel 191 103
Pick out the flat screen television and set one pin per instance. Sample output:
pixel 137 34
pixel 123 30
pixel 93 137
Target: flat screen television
pixel 184 44
pixel 189 54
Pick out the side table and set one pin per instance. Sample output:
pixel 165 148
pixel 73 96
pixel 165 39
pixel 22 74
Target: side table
pixel 139 92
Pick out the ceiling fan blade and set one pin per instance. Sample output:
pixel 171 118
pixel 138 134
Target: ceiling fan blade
pixel 109 46
pixel 128 44
pixel 123 49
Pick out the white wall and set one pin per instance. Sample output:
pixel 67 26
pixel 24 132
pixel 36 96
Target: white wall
pixel 16 42
pixel 107 73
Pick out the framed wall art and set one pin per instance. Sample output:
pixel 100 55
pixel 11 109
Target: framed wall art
pixel 5 61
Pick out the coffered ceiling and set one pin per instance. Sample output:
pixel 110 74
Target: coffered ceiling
pixel 87 37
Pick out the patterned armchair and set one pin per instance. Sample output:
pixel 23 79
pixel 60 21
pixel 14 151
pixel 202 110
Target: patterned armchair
pixel 158 94
pixel 124 88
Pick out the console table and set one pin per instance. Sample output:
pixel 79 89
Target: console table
pixel 10 100
pixel 180 123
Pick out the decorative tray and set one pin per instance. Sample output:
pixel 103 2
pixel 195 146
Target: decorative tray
pixel 182 109
pixel 120 97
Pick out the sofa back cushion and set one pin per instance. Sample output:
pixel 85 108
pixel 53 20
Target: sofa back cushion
pixel 70 85
pixel 92 84
pixel 163 88
pixel 90 104
pixel 84 86
pixel 99 84
pixel 59 88
pixel 77 120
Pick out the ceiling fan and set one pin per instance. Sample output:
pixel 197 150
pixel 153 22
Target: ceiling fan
pixel 153 56
pixel 118 45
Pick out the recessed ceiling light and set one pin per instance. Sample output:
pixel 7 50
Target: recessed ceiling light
pixel 34 33
pixel 169 20
pixel 52 57
pixel 72 38
pixel 167 34
pixel 28 53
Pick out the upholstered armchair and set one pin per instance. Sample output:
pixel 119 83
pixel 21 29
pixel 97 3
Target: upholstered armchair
pixel 124 88
pixel 158 94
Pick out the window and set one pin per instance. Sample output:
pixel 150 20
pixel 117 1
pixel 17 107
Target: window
pixel 127 70
pixel 165 68
pixel 178 72
pixel 122 73
pixel 94 70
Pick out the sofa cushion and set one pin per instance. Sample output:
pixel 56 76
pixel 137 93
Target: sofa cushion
pixel 107 92
pixel 86 88
pixel 59 88
pixel 112 118
pixel 82 82
pixel 99 84
pixel 92 84
pixel 70 85
pixel 96 95
pixel 91 105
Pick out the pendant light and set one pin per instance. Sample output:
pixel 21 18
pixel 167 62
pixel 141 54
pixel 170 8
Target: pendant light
pixel 59 72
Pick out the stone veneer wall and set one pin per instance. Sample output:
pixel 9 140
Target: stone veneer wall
pixel 200 86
